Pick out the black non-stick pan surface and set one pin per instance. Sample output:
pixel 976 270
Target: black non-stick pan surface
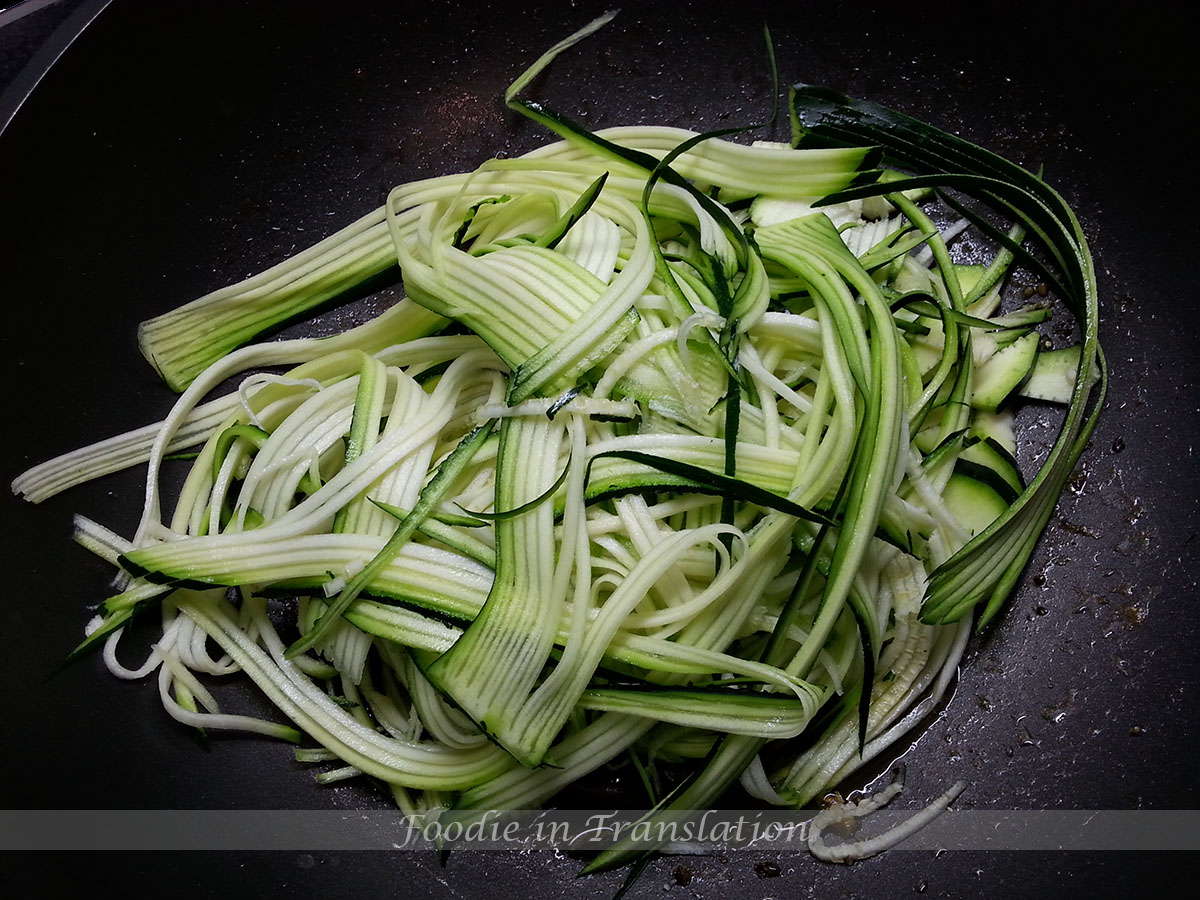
pixel 179 146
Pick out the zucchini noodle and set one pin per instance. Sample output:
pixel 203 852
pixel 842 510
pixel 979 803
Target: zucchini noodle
pixel 700 467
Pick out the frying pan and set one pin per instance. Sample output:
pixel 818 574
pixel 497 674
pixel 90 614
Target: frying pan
pixel 177 147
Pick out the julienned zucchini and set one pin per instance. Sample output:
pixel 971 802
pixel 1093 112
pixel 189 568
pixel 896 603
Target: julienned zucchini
pixel 1001 377
pixel 974 502
pixel 1054 374
pixel 987 461
pixel 683 475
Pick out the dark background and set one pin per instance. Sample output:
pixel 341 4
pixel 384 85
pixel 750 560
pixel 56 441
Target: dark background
pixel 177 147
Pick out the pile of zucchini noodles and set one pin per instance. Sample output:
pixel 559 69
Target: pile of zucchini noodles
pixel 658 460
